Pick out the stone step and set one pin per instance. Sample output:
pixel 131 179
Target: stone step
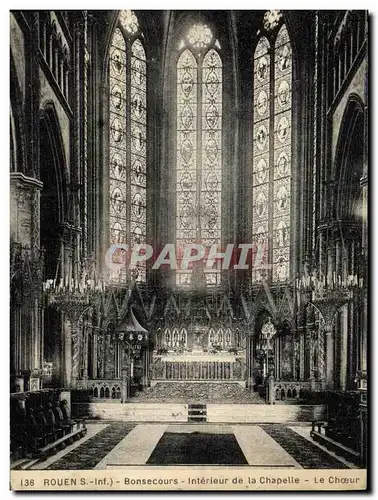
pixel 133 412
pixel 264 413
pixel 215 413
pixel 197 413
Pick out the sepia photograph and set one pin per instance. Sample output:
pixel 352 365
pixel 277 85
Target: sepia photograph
pixel 188 210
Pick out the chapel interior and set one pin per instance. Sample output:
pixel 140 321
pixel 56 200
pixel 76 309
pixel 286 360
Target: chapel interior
pixel 158 127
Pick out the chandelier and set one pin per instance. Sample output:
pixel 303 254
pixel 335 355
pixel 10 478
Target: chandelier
pixel 74 296
pixel 321 286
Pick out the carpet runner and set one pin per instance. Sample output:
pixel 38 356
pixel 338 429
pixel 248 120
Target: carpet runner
pixel 308 455
pixel 196 448
pixel 94 450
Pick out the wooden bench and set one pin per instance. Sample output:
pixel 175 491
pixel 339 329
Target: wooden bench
pixel 331 444
pixel 79 430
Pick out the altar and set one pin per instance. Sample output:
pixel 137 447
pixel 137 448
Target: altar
pixel 199 356
pixel 200 339
pixel 198 366
pixel 199 352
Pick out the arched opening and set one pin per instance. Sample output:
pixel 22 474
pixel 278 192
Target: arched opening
pixel 51 217
pixel 350 217
pixel 283 353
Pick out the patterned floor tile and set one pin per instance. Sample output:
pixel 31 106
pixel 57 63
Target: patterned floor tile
pixel 307 454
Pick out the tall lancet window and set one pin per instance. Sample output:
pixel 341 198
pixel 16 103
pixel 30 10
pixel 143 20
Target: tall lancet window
pixel 127 138
pixel 271 192
pixel 199 147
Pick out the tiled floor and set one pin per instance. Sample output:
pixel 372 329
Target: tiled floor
pixel 117 445
pixel 90 453
pixel 307 453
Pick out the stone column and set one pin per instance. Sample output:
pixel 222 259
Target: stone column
pixel 69 374
pixel 271 390
pixel 346 346
pixel 124 386
pixel 101 356
pixel 56 64
pixel 363 342
pixel 329 358
pixel 293 354
pixel 145 368
pixel 301 331
pixel 85 355
pixel 42 35
pixel 66 80
pixel 25 247
pixel 61 74
pixel 94 347
pixel 250 352
pixel 249 362
pixel 50 50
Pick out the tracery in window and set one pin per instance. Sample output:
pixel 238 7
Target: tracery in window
pixel 129 21
pixel 127 139
pixel 272 19
pixel 272 157
pixel 199 149
pixel 200 35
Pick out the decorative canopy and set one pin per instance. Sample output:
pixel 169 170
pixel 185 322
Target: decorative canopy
pixel 130 324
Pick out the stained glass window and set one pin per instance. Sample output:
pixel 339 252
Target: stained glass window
pixel 127 138
pixel 199 149
pixel 211 174
pixel 272 157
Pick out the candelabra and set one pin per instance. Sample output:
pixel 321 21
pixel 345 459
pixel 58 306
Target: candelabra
pixel 268 331
pixel 133 341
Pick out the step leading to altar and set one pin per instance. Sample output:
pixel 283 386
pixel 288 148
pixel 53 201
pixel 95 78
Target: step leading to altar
pixel 220 402
pixel 215 413
pixel 197 392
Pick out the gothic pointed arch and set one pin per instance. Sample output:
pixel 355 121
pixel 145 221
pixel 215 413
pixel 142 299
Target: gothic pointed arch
pixel 349 160
pixel 17 120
